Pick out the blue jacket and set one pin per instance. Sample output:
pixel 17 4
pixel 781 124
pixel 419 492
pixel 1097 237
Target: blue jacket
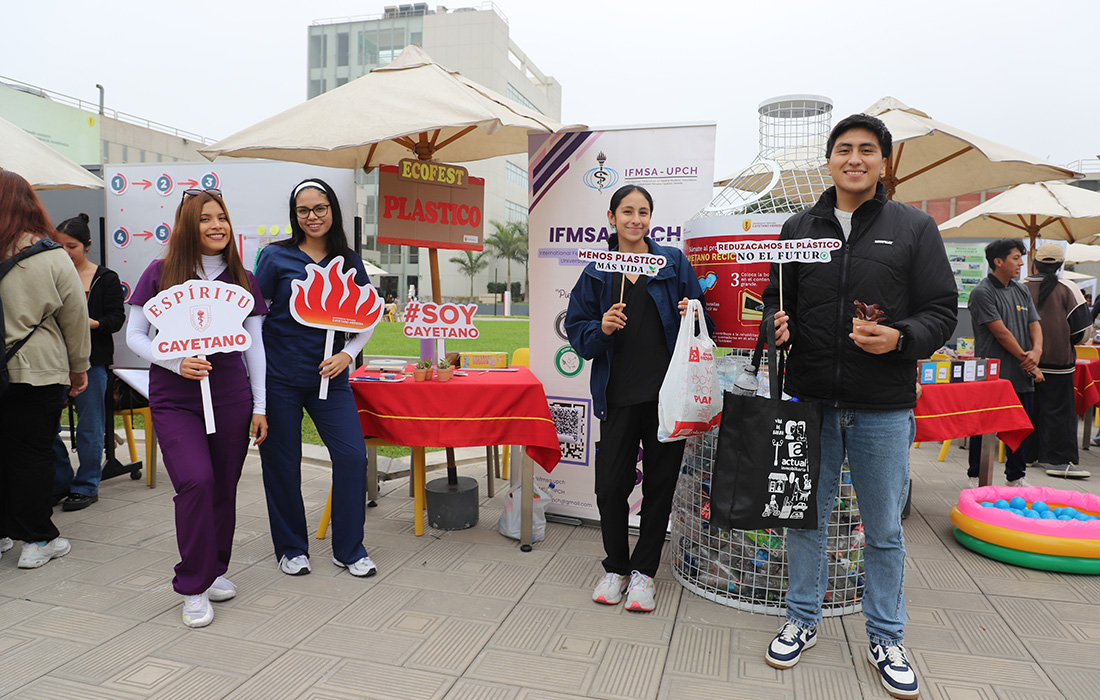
pixel 593 295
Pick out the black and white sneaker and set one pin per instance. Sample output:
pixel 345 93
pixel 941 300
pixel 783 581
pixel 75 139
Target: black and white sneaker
pixel 897 675
pixel 787 647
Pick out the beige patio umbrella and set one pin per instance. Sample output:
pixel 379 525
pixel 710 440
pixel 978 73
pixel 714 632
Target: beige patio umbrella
pixel 932 160
pixel 410 107
pixel 41 166
pixel 1083 252
pixel 1050 210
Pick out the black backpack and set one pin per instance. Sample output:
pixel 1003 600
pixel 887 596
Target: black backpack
pixel 41 246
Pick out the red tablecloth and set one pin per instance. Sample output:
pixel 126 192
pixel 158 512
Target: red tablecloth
pixel 1086 385
pixel 483 408
pixel 949 411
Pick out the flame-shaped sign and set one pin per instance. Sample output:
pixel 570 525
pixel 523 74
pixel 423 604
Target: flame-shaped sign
pixel 330 299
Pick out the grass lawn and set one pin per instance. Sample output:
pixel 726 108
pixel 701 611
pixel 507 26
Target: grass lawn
pixel 388 339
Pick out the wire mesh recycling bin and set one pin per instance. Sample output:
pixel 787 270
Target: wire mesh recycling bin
pixel 748 569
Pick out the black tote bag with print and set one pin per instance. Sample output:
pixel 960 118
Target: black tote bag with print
pixel 767 461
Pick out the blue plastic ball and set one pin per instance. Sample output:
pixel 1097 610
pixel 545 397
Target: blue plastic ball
pixel 1001 503
pixel 1031 514
pixel 1040 506
pixel 1047 515
pixel 987 504
pixel 1018 502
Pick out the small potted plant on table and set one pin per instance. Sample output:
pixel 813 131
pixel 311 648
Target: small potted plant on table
pixel 423 371
pixel 444 371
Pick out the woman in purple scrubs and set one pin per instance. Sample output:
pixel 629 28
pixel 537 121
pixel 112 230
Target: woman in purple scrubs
pixel 204 468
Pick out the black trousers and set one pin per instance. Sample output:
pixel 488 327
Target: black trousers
pixel 1055 417
pixel 1015 460
pixel 616 465
pixel 28 427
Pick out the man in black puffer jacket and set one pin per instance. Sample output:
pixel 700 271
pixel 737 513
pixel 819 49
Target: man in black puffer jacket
pixel 892 256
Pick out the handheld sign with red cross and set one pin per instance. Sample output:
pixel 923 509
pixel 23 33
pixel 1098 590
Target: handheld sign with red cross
pixel 200 318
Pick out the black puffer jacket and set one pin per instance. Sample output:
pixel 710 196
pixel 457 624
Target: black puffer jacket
pixel 105 304
pixel 895 258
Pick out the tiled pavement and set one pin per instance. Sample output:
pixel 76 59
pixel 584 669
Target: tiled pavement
pixel 466 616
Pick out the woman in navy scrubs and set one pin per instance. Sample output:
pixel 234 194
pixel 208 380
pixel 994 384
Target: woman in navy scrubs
pixel 296 365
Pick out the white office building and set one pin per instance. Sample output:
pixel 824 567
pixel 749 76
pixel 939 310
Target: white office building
pixel 473 41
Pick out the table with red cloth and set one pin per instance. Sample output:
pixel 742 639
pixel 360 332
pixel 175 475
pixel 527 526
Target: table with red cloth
pixel 962 409
pixel 1086 393
pixel 479 409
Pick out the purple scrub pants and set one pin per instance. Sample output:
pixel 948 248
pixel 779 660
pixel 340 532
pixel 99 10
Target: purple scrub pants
pixel 204 470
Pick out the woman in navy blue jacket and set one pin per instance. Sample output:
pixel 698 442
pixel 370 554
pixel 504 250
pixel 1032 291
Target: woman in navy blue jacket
pixel 629 361
pixel 294 374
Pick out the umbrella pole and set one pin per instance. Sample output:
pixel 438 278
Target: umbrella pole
pixel 437 297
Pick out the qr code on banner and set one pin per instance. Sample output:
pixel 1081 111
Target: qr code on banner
pixel 571 423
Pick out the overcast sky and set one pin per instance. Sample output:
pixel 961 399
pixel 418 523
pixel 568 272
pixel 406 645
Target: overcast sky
pixel 1021 72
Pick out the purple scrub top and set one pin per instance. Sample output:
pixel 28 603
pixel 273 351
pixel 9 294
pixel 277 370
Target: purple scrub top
pixel 228 377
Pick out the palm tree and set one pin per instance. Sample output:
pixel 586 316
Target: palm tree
pixel 509 242
pixel 471 265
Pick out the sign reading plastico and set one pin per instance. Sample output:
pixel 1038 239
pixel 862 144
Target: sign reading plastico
pixel 444 321
pixel 807 250
pixel 199 317
pixel 627 263
pixel 430 205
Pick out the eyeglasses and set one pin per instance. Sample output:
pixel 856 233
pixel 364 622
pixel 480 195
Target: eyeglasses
pixel 320 210
pixel 194 193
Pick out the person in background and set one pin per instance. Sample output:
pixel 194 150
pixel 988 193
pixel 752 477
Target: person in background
pixel 106 314
pixel 46 347
pixel 1064 317
pixel 892 255
pixel 629 362
pixel 1006 327
pixel 204 467
pixel 293 384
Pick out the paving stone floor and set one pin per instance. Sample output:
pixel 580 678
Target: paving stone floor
pixel 466 616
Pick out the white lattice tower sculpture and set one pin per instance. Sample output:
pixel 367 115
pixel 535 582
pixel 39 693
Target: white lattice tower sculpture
pixel 788 174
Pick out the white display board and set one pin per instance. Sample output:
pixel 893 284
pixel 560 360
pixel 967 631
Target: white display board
pixel 572 177
pixel 141 202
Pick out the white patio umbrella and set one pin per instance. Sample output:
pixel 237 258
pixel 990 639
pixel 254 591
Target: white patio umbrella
pixel 932 160
pixel 1083 252
pixel 41 166
pixel 1049 210
pixel 412 107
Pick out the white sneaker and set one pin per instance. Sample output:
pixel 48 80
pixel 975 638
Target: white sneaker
pixel 787 647
pixel 640 593
pixel 362 568
pixel 222 589
pixel 197 610
pixel 35 555
pixel 1022 482
pixel 609 590
pixel 972 482
pixel 895 670
pixel 5 544
pixel 297 566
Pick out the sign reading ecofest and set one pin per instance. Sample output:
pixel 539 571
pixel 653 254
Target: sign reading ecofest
pixel 430 205
pixel 572 177
pixel 196 319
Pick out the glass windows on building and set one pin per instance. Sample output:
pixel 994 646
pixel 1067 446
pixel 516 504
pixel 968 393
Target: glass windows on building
pixel 517 96
pixel 514 212
pixel 318 50
pixel 516 174
pixel 342 49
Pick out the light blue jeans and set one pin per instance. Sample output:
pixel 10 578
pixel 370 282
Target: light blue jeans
pixel 90 429
pixel 877 446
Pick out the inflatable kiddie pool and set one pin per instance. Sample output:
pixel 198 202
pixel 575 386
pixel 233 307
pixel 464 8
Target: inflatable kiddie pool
pixel 1067 545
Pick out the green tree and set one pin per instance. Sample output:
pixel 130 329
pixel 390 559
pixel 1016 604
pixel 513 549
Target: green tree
pixel 470 265
pixel 508 242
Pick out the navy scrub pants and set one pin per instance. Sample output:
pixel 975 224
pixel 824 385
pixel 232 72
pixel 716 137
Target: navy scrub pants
pixel 337 421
